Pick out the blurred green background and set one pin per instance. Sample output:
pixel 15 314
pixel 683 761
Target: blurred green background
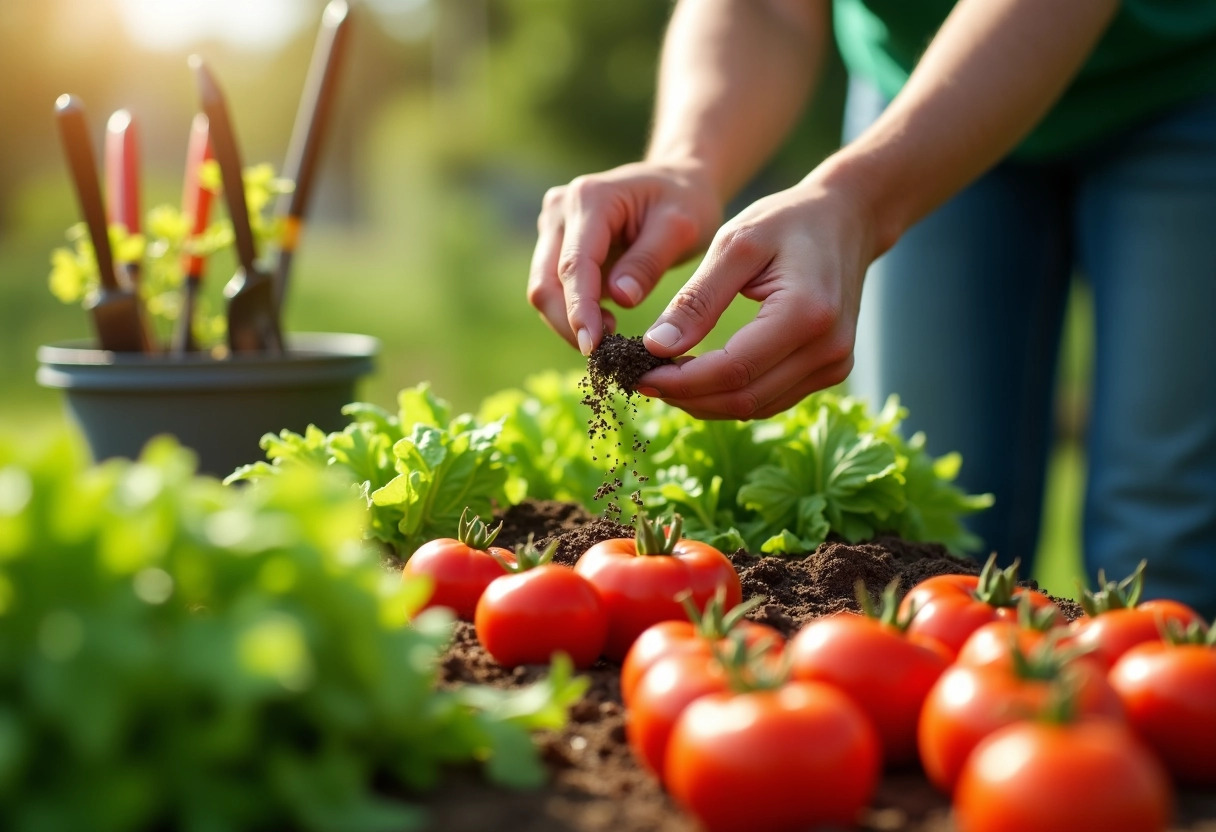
pixel 453 118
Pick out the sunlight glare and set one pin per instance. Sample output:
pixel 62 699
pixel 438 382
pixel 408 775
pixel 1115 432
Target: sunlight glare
pixel 171 25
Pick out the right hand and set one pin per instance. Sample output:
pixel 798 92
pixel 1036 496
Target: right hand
pixel 613 235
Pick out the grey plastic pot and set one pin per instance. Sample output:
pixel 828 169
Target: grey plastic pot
pixel 219 408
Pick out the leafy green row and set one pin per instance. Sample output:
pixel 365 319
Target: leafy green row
pixel 175 654
pixel 775 486
pixel 417 469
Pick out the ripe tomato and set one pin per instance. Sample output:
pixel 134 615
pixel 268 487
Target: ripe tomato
pixel 1062 778
pixel 459 568
pixel 698 637
pixel 886 672
pixel 969 703
pixel 952 607
pixel 670 685
pixel 993 643
pixel 1169 691
pixel 794 757
pixel 640 580
pixel 526 617
pixel 1109 634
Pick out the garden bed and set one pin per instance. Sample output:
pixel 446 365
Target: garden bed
pixel 596 786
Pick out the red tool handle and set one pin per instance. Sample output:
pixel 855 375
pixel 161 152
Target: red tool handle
pixel 122 170
pixel 196 199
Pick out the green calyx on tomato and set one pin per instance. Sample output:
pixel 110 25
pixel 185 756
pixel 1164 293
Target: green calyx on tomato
pixel 1047 660
pixel 716 622
pixel 1113 595
pixel 1040 619
pixel 1194 633
pixel 751 666
pixel 653 538
pixel 998 587
pixel 527 556
pixel 887 611
pixel 474 533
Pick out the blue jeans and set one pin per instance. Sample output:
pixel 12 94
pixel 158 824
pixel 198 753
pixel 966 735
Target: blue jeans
pixel 962 318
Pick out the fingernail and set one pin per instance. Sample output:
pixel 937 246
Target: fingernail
pixel 584 342
pixel 665 334
pixel 650 392
pixel 630 288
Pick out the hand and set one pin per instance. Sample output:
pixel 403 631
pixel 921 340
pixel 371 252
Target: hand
pixel 614 234
pixel 802 253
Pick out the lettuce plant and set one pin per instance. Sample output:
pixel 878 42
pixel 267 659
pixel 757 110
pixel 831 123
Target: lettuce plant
pixel 175 654
pixel 417 469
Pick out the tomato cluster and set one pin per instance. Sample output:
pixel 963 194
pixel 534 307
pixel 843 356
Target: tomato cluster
pixel 1026 720
pixel 525 608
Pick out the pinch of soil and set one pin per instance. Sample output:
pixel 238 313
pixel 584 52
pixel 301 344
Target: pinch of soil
pixel 620 361
pixel 616 365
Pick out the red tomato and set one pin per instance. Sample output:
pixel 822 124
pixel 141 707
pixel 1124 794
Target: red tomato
pixel 681 637
pixel 885 672
pixel 992 643
pixel 662 693
pixel 1062 778
pixel 459 572
pixel 641 589
pixel 1169 692
pixel 1108 635
pixel 952 607
pixel 794 757
pixel 969 703
pixel 526 617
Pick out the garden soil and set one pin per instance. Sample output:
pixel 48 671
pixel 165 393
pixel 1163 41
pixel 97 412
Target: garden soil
pixel 595 784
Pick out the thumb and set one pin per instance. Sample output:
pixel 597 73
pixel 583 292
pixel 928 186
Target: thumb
pixel 667 238
pixel 696 308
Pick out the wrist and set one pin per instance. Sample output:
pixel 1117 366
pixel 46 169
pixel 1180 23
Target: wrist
pixel 693 168
pixel 869 186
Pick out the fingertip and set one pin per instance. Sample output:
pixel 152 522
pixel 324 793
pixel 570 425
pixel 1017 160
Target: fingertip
pixel 585 346
pixel 628 290
pixel 662 338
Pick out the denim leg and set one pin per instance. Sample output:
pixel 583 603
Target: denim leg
pixel 1146 219
pixel 962 320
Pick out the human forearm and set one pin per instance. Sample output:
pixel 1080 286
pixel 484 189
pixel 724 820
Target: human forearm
pixel 992 72
pixel 734 76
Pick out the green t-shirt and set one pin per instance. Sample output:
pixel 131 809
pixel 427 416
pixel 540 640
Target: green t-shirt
pixel 1155 54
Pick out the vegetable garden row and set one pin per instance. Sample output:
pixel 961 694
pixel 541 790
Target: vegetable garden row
pixel 181 653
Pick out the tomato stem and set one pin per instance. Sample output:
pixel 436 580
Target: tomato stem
pixel 1113 595
pixel 653 539
pixel 1176 633
pixel 716 622
pixel 887 611
pixel 527 556
pixel 998 587
pixel 1047 660
pixel 751 667
pixel 474 533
